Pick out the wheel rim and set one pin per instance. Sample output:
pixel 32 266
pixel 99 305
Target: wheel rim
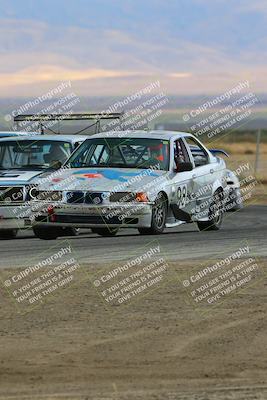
pixel 217 209
pixel 159 214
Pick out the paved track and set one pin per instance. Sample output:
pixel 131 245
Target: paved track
pixel 249 224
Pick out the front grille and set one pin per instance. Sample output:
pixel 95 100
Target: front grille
pixel 85 197
pixel 75 197
pixel 93 198
pixel 13 194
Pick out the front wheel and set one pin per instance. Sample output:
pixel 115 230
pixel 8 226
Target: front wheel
pixel 71 231
pixel 215 214
pixel 105 232
pixel 158 219
pixel 8 233
pixel 47 233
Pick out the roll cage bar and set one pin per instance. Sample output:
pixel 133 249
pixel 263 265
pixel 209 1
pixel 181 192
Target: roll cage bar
pixel 42 118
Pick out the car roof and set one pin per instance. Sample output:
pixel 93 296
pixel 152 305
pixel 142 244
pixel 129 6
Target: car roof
pixel 63 138
pixel 153 134
pixel 18 133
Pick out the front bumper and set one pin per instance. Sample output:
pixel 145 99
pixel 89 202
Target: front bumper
pixel 233 199
pixel 11 218
pixel 126 215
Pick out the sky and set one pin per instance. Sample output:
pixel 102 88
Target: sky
pixel 115 47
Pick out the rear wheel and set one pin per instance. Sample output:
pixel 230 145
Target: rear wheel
pixel 215 214
pixel 158 219
pixel 47 233
pixel 105 232
pixel 8 233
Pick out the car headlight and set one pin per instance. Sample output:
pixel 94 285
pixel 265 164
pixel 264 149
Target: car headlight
pixel 45 195
pixel 122 197
pixel 128 197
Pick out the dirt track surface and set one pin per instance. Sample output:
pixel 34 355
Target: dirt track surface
pixel 158 347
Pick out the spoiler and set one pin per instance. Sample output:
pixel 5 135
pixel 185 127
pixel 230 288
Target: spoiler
pixel 218 151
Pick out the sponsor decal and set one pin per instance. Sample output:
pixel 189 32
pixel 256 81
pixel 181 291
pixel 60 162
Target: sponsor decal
pixel 110 174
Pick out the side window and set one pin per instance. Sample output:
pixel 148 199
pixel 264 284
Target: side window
pixel 199 154
pixel 180 152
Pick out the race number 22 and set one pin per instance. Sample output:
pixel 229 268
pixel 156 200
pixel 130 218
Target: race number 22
pixel 181 196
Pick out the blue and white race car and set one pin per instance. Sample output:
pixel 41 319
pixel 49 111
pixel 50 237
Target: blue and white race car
pixel 139 179
pixel 21 160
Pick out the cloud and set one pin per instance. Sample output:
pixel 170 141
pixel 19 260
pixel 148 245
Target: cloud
pixel 51 73
pixel 35 55
pixel 178 75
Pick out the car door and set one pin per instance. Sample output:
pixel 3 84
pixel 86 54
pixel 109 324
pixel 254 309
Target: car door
pixel 181 183
pixel 203 175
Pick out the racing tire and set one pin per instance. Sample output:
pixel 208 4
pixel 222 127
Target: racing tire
pixel 71 231
pixel 105 232
pixel 47 233
pixel 8 233
pixel 158 219
pixel 215 214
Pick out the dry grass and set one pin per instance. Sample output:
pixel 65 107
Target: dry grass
pixel 244 148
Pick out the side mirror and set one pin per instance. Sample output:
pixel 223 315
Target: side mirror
pixel 184 166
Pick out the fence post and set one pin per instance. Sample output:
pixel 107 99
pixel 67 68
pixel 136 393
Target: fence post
pixel 257 151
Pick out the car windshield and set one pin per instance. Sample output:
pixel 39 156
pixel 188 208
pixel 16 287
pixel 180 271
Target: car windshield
pixel 33 154
pixel 122 153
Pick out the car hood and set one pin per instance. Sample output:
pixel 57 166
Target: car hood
pixel 100 179
pixel 17 177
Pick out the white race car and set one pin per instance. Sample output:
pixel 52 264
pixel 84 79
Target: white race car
pixel 22 158
pixel 146 180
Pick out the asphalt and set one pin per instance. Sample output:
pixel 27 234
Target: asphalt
pixel 247 226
